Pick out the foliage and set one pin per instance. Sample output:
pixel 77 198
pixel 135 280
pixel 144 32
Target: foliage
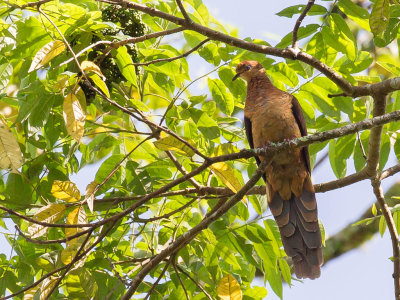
pixel 142 127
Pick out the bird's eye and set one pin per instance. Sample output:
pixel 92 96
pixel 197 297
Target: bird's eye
pixel 248 67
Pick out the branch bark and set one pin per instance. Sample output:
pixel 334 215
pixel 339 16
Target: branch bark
pixel 298 23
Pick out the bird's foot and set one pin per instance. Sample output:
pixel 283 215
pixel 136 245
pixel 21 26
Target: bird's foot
pixel 290 142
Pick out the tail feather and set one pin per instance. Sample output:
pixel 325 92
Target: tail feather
pixel 297 219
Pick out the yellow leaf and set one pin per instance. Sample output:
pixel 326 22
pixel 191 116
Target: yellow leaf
pixel 47 285
pixel 68 254
pixel 90 66
pixel 89 196
pixel 74 116
pixel 29 294
pixel 229 288
pixel 65 190
pixel 227 175
pixel 48 214
pixel 46 53
pixel 171 143
pixel 77 216
pixel 10 153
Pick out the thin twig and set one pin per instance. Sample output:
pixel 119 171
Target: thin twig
pixel 361 145
pixel 195 282
pixel 393 234
pixel 183 11
pixel 158 279
pixel 64 39
pixel 74 260
pixel 47 242
pixel 298 23
pixel 179 277
pixel 182 169
pixel 172 58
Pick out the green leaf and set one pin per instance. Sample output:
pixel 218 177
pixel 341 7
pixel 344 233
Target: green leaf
pixel 339 36
pixel 171 143
pixel 207 126
pixel 379 16
pixel 5 74
pixel 107 166
pixel 304 31
pixel 355 12
pixel 284 73
pixel 274 279
pixel 290 11
pixel 125 64
pixel 285 270
pixel 80 284
pixel 222 98
pixel 317 47
pixel 338 163
pixel 227 256
pixel 100 84
pixel 392 29
pixel 382 225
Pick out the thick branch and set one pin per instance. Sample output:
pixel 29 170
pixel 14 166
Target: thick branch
pixel 375 136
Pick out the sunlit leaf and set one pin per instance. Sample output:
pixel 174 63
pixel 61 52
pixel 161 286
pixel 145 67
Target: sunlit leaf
pixel 227 176
pixel 74 116
pixel 285 270
pixel 382 225
pixel 229 288
pixel 47 53
pixel 65 190
pixel 46 287
pixel 48 214
pixel 379 16
pixel 77 216
pixel 80 284
pixel 100 84
pixel 172 143
pixel 89 196
pixel 125 65
pixel 90 66
pixel 10 152
pixel 221 96
pixel 29 294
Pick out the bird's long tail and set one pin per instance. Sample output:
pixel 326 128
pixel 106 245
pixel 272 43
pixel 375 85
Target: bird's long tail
pixel 297 219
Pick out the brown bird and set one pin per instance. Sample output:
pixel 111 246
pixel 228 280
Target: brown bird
pixel 272 115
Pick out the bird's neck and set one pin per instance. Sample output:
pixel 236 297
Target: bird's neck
pixel 258 85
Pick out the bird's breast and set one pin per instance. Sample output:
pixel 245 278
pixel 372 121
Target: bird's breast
pixel 272 120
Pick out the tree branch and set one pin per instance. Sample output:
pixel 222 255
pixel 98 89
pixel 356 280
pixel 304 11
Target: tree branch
pixel 195 282
pixel 173 58
pixel 298 23
pixel 219 36
pixel 393 234
pixel 185 238
pixel 375 136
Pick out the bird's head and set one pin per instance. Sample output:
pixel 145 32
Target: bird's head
pixel 248 69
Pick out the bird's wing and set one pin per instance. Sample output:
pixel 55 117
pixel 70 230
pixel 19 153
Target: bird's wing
pixel 301 122
pixel 249 134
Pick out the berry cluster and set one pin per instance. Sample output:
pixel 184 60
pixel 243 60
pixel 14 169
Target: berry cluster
pixel 129 24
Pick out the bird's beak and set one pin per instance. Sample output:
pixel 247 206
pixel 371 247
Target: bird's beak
pixel 236 76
